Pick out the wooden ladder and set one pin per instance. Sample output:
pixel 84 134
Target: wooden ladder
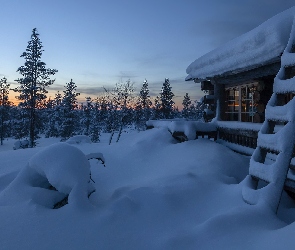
pixel 275 138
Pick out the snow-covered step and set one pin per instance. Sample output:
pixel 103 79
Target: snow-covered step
pixel 260 171
pixel 292 164
pixel 281 113
pixel 288 59
pixel 282 86
pixel 290 185
pixel 291 174
pixel 269 141
pixel 282 141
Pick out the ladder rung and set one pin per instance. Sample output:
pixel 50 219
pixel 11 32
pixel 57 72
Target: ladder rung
pixel 268 142
pixel 261 171
pixel 269 150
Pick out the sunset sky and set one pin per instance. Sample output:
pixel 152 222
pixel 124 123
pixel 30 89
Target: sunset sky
pixel 100 43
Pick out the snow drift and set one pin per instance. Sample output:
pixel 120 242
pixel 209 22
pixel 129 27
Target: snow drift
pixel 154 194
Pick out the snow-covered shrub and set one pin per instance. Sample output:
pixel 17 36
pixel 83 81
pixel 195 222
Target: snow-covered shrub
pixel 55 176
pixel 77 139
pixel 21 144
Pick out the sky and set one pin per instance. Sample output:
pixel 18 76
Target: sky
pixel 99 43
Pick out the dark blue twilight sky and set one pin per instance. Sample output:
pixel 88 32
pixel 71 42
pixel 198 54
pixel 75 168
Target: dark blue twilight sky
pixel 101 42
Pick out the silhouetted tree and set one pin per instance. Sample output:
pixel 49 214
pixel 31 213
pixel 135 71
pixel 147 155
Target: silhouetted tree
pixel 167 103
pixel 123 100
pixel 86 116
pixel 95 122
pixel 186 103
pixel 4 108
pixel 69 114
pixel 36 77
pixel 143 107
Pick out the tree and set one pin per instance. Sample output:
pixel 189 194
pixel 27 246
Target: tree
pixel 69 106
pixel 4 107
pixel 143 107
pixel 144 97
pixel 186 103
pixel 36 77
pixel 123 100
pixel 167 103
pixel 95 128
pixel 86 115
pixel 156 110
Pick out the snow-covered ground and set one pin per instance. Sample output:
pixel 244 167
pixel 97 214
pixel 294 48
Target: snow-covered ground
pixel 154 193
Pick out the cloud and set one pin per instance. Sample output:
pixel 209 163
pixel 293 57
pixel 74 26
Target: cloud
pixel 230 18
pixel 126 75
pixel 56 87
pixel 93 91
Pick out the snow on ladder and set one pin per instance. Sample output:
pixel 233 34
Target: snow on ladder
pixel 279 144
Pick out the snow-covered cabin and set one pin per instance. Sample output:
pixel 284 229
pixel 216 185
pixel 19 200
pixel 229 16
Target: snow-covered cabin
pixel 253 79
pixel 243 70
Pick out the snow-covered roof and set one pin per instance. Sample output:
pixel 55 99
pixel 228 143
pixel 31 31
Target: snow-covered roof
pixel 258 47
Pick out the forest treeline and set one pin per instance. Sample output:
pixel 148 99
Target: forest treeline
pixel 64 117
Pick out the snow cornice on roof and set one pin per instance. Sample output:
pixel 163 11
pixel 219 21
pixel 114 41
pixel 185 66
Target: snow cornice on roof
pixel 258 47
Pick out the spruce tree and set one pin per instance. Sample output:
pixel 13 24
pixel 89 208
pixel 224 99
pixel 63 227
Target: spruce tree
pixel 69 114
pixel 156 111
pixel 95 123
pixel 167 103
pixel 144 97
pixel 86 116
pixel 55 117
pixel 36 77
pixel 4 108
pixel 143 107
pixel 186 103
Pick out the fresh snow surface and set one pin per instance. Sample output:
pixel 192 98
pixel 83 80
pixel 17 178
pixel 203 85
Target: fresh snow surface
pixel 262 44
pixel 153 193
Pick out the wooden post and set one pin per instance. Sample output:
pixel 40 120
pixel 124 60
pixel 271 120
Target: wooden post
pixel 219 96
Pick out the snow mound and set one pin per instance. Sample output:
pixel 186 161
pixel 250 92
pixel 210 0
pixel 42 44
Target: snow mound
pixel 77 139
pixel 157 137
pixel 58 172
pixel 21 144
pixel 63 165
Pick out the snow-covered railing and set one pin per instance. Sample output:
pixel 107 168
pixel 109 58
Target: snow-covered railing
pixel 184 130
pixel 239 136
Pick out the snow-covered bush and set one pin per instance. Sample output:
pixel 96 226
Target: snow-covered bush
pixel 21 144
pixel 57 175
pixel 77 139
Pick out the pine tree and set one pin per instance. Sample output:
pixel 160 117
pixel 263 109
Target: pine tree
pixel 143 107
pixel 103 104
pixel 69 104
pixel 86 116
pixel 20 123
pixel 167 103
pixel 36 77
pixel 186 103
pixel 156 111
pixel 95 123
pixel 144 97
pixel 4 108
